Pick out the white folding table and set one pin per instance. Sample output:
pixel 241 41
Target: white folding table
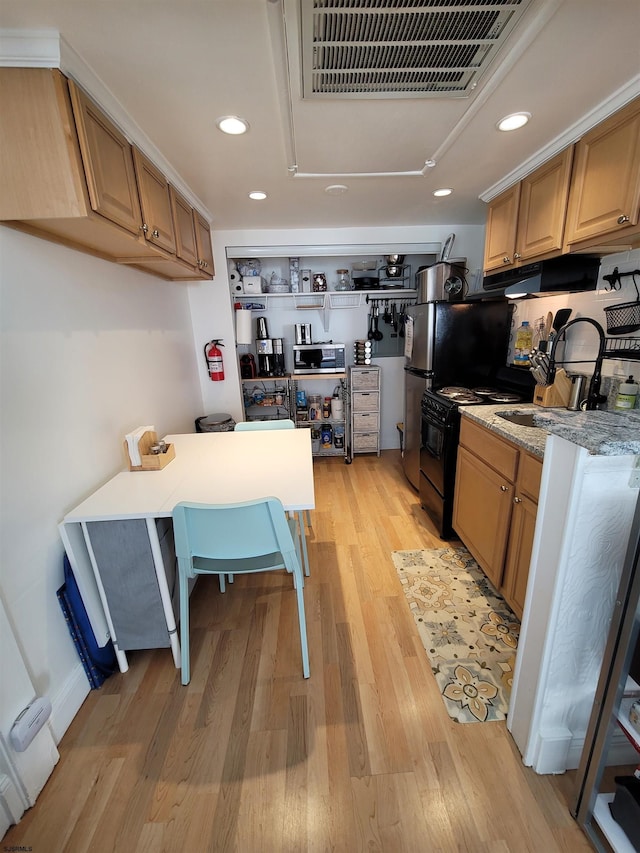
pixel 121 551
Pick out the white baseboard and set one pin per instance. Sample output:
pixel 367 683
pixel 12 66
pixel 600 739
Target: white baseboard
pixel 549 753
pixel 554 754
pixel 67 702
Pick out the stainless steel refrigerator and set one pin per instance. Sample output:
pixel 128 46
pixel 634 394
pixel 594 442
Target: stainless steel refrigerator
pixel 448 344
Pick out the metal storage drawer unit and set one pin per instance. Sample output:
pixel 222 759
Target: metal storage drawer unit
pixel 364 391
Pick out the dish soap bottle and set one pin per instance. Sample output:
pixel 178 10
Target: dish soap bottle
pixel 627 393
pixel 523 345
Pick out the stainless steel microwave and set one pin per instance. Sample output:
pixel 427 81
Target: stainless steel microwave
pixel 319 358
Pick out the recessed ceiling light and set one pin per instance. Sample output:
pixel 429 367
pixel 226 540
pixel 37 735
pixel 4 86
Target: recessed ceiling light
pixel 444 191
pixel 257 195
pixel 336 189
pixel 232 124
pixel 513 121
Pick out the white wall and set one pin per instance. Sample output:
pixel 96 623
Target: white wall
pixel 213 314
pixel 89 350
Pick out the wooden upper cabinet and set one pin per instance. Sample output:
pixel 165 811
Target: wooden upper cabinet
pixel 502 223
pixel 205 250
pixel 543 206
pixel 184 224
pixel 156 203
pixel 69 175
pixel 108 163
pixel 38 180
pixel 527 220
pixel 605 191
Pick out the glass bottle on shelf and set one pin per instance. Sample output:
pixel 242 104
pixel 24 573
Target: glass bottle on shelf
pixel 344 282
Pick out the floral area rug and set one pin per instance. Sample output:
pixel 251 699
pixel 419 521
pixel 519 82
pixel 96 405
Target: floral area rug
pixel 468 631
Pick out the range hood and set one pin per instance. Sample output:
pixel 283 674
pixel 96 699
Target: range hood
pixel 565 274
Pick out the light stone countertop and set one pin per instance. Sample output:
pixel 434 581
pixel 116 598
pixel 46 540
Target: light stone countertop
pixel 602 433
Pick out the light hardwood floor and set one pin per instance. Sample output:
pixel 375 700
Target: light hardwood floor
pixel 250 757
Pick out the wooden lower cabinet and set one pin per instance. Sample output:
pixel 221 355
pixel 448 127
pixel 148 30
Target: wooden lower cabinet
pixel 482 513
pixel 516 571
pixel 495 507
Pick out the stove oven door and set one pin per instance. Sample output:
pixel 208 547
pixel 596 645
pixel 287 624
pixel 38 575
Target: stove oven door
pixel 438 471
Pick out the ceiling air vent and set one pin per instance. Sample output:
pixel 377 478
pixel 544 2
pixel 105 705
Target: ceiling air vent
pixel 401 48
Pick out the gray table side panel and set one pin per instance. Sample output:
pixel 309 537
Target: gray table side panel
pixel 123 554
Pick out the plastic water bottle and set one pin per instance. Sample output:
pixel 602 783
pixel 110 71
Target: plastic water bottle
pixel 523 344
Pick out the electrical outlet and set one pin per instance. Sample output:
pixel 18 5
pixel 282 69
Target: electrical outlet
pixel 634 479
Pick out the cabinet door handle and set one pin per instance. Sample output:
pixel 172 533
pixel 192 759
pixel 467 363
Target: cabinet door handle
pixel 506 260
pixel 144 228
pixel 504 488
pixel 622 220
pixel 517 500
pixel 155 233
pixel 517 256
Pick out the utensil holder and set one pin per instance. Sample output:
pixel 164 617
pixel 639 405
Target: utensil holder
pixel 624 319
pixel 150 461
pixel 556 395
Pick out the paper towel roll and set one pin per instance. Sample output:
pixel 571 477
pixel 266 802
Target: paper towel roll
pixel 243 326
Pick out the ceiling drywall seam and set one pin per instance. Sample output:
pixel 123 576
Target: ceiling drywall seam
pixel 278 31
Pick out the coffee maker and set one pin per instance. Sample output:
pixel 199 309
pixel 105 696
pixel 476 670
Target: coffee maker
pixel 278 356
pixel 303 333
pixel 264 348
pixel 247 366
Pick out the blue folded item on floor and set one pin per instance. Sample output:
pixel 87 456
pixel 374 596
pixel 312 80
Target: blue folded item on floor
pixel 98 662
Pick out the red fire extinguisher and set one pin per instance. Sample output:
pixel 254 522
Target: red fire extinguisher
pixel 213 356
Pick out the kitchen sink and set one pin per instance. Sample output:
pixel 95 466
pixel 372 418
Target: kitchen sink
pixel 520 418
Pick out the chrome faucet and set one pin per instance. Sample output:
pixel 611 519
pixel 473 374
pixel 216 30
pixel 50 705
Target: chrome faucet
pixel 594 397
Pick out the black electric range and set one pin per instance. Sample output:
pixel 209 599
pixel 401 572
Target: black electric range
pixel 441 429
pixel 507 385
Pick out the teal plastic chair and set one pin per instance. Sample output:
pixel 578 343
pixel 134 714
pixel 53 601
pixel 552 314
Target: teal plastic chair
pixel 284 423
pixel 240 538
